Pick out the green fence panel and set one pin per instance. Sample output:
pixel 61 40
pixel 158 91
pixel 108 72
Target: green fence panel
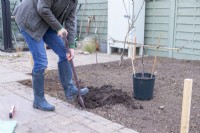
pixel 98 26
pixel 157 25
pixel 178 23
pixel 187 29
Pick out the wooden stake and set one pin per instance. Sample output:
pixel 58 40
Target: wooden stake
pixel 134 48
pixel 133 67
pixel 186 105
pixel 155 60
pixel 133 55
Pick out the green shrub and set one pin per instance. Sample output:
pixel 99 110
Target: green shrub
pixel 89 45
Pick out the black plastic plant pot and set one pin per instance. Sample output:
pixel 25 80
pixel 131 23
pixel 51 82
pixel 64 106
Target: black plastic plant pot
pixel 143 86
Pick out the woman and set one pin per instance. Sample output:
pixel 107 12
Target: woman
pixel 41 21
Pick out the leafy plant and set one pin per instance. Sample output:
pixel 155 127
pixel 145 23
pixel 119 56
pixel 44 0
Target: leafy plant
pixel 89 45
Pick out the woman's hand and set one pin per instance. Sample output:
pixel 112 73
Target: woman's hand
pixel 62 32
pixel 70 55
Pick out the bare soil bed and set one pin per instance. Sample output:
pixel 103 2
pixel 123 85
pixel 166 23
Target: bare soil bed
pixel 111 93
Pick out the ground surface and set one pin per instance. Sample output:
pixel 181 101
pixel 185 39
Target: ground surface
pixel 111 91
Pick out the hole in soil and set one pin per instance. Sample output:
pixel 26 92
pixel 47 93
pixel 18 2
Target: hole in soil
pixel 107 96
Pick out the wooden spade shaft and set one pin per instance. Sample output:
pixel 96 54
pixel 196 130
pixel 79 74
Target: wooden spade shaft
pixel 80 99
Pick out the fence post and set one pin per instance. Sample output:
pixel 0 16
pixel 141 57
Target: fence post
pixel 172 26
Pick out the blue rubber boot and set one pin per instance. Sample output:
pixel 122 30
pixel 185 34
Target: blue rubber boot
pixel 65 73
pixel 38 89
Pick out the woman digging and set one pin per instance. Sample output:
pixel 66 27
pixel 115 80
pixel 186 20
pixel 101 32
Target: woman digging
pixel 40 21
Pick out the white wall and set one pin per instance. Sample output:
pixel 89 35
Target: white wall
pixel 119 19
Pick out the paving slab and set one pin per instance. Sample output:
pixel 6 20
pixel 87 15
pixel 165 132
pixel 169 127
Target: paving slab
pixel 36 127
pixel 99 127
pixel 13 86
pixel 19 89
pixel 24 111
pixel 21 129
pixel 5 70
pixel 81 119
pixel 13 76
pixel 3 91
pixel 76 128
pixel 115 126
pixel 127 130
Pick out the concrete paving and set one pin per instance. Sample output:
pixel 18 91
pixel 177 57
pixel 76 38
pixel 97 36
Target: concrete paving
pixel 66 118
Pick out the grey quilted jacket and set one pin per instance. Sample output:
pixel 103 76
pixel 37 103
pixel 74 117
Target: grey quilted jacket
pixel 35 17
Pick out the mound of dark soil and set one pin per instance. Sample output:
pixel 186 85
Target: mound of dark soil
pixel 107 96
